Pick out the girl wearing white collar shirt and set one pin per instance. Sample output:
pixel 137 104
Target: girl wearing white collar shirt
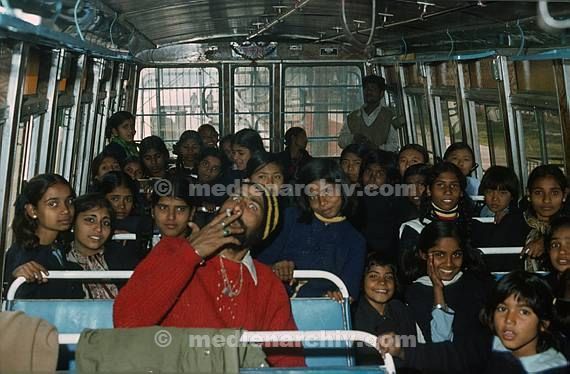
pixel 449 289
pixel 520 314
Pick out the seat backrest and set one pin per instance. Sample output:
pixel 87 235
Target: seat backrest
pixel 69 316
pixel 72 316
pixel 323 314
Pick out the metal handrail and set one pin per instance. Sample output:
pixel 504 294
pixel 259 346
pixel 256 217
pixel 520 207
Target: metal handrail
pixel 114 274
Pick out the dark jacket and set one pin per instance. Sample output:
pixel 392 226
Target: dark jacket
pixel 510 232
pixel 378 220
pixel 471 343
pixel 51 257
pixel 397 318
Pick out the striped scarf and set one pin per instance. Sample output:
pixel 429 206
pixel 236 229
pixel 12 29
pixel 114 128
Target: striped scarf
pixel 95 262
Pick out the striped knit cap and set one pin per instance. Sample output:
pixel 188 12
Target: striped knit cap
pixel 271 210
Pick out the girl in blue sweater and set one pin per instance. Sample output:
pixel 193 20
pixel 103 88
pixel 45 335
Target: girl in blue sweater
pixel 317 235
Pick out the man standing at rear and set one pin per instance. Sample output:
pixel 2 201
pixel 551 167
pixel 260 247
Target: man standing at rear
pixel 372 124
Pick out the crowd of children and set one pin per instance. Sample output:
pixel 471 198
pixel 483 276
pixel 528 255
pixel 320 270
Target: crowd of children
pixel 411 263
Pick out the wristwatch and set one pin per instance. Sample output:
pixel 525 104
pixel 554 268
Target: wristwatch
pixel 440 306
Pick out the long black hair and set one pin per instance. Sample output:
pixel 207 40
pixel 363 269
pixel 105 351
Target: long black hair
pixel 184 137
pixel 545 171
pixel 149 143
pixel 259 160
pixel 330 172
pixel 249 139
pixel 23 225
pixel 414 265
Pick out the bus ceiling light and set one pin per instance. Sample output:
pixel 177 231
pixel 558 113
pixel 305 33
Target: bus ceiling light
pixel 547 21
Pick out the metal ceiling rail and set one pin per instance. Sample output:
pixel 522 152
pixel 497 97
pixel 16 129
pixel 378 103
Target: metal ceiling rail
pixel 278 20
pixel 404 22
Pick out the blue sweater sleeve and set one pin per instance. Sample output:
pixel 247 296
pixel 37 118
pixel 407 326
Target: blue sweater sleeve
pixel 354 266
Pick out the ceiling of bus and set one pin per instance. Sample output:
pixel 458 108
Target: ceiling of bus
pixel 400 25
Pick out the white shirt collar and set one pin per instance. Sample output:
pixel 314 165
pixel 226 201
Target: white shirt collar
pixel 427 282
pixel 537 363
pixel 247 261
pixel 370 118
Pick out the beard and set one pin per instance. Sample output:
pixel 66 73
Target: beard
pixel 247 239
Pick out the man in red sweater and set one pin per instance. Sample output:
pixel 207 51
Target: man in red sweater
pixel 209 280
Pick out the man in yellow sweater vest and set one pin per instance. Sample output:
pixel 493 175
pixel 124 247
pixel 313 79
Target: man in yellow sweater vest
pixel 371 124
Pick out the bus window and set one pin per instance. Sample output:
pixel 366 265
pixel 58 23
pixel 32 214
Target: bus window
pixel 318 98
pixel 535 105
pixel 491 135
pixel 444 81
pixel 172 100
pixel 252 97
pixel 421 122
pixel 542 137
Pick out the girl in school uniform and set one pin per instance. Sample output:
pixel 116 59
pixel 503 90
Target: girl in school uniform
pixel 380 311
pixel 317 236
pixel 449 288
pixel 443 200
pixel 42 218
pixel 547 190
pixel 500 187
pixel 519 314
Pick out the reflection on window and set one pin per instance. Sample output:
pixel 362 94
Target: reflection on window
pixel 451 125
pixel 318 98
pixel 62 120
pixel 421 122
pixel 172 100
pixel 252 100
pixel 542 136
pixel 492 143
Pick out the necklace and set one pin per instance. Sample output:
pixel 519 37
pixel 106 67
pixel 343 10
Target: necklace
pixel 228 290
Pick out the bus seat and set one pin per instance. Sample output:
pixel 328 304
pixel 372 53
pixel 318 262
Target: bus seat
pixel 72 316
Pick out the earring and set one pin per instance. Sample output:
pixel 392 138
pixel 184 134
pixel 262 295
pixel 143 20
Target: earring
pixel 35 217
